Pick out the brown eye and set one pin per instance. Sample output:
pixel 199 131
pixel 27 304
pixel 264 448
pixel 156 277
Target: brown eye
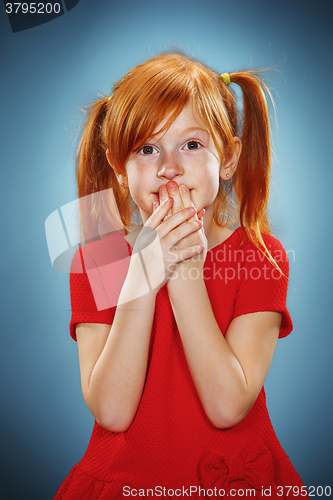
pixel 147 150
pixel 192 145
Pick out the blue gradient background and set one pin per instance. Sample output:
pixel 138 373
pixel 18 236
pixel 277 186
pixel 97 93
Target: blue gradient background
pixel 48 73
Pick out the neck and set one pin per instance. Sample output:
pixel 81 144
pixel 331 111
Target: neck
pixel 215 234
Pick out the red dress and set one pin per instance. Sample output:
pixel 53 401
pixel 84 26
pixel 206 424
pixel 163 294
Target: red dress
pixel 171 449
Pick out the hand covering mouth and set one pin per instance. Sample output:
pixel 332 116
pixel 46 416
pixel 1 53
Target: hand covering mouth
pixel 157 193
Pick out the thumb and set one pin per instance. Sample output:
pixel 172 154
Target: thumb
pixel 201 214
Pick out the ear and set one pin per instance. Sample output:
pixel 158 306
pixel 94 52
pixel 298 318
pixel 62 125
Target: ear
pixel 122 179
pixel 228 167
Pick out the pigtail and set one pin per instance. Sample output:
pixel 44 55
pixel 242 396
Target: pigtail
pixel 98 214
pixel 160 88
pixel 252 177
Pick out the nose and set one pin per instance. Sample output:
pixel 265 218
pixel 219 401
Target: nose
pixel 170 167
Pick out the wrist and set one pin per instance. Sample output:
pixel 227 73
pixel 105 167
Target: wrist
pixel 185 292
pixel 137 284
pixel 183 278
pixel 188 271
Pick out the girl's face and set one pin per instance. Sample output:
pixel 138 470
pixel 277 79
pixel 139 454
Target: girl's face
pixel 186 154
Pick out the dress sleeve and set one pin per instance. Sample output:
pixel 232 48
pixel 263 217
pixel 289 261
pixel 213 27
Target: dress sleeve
pixel 261 286
pixel 97 273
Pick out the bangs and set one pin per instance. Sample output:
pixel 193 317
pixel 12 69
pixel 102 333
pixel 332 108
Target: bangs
pixel 145 103
pixel 158 91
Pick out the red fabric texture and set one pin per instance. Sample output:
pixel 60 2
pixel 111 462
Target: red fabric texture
pixel 171 444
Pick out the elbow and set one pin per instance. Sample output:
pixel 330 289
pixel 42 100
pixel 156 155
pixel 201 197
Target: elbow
pixel 112 416
pixel 223 421
pixel 114 424
pixel 224 418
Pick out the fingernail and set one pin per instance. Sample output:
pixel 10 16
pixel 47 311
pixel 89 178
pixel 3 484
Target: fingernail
pixel 168 200
pixel 192 210
pixel 183 189
pixel 172 186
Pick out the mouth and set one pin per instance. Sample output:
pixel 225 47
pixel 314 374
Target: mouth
pixel 158 195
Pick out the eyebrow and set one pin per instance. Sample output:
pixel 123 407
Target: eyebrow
pixel 194 129
pixel 188 130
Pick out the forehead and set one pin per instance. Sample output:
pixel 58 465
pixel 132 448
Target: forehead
pixel 188 119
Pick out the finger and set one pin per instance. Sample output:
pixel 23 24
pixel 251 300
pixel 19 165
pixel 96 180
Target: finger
pixel 170 223
pixel 186 198
pixel 173 191
pixel 155 205
pixel 163 194
pixel 187 253
pixel 180 234
pixel 159 214
pixel 201 214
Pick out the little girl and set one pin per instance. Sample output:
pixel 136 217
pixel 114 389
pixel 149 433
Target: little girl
pixel 176 340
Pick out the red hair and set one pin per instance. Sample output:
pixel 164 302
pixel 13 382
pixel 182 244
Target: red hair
pixel 160 88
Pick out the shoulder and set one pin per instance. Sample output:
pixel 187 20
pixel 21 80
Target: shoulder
pixel 96 276
pixel 275 248
pixel 241 240
pixel 262 283
pixel 109 249
pixel 249 252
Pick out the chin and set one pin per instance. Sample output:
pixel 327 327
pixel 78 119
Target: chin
pixel 197 203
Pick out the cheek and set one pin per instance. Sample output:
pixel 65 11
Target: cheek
pixel 209 178
pixel 208 182
pixel 211 192
pixel 213 174
pixel 138 192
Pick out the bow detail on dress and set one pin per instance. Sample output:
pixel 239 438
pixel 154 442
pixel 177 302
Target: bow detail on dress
pixel 252 468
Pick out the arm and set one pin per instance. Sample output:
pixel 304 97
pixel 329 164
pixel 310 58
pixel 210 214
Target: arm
pixel 113 360
pixel 229 372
